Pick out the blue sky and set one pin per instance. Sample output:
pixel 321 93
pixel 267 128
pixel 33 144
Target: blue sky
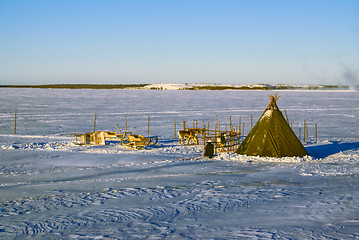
pixel 196 41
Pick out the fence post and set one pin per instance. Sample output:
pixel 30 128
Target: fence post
pixel 175 129
pixel 307 133
pixel 304 128
pixel 94 125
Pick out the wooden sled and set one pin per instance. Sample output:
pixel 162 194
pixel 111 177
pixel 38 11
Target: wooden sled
pixel 139 141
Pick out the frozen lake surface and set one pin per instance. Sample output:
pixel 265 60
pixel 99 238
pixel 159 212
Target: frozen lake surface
pixel 51 188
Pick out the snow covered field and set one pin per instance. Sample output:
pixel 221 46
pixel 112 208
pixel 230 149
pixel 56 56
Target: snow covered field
pixel 51 188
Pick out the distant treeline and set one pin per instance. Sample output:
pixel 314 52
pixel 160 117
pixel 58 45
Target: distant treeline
pixel 190 87
pixel 78 86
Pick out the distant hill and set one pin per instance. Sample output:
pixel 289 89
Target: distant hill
pixel 238 87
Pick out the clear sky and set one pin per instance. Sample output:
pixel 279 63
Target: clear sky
pixel 183 41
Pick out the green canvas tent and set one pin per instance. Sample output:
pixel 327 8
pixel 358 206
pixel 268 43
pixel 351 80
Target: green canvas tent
pixel 272 136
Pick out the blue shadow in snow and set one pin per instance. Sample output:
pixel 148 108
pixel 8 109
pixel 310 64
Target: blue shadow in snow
pixel 322 151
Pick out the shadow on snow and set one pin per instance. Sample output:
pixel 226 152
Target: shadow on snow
pixel 323 151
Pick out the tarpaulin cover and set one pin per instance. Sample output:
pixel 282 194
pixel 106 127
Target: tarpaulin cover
pixel 272 137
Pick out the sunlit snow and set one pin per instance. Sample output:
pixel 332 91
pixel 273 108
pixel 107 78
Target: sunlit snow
pixel 51 188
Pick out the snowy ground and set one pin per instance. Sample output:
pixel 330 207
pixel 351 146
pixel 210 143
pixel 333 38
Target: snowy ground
pixel 51 188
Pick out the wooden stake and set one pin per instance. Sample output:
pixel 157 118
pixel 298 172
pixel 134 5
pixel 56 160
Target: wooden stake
pixel 307 133
pixel 286 115
pixel 125 123
pixel 148 127
pixel 184 124
pixel 15 121
pixel 291 124
pixel 204 140
pixel 175 129
pixel 239 126
pixel 230 123
pixel 304 130
pixel 94 125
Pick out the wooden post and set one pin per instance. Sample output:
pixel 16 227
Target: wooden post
pixel 239 126
pixel 286 115
pixel 148 127
pixel 230 123
pixel 15 121
pixel 76 138
pixel 304 130
pixel 175 129
pixel 184 124
pixel 196 124
pixel 215 137
pixel 125 123
pixel 208 125
pixel 307 133
pixel 291 124
pixel 94 125
pixel 316 132
pixel 204 141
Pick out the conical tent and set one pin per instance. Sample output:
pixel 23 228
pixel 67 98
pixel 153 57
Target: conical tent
pixel 272 136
